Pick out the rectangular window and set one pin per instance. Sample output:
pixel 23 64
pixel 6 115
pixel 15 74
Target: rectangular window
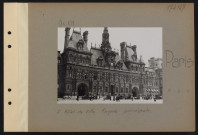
pixel 127 90
pixel 106 89
pixel 117 89
pixel 95 77
pixel 94 89
pixel 122 90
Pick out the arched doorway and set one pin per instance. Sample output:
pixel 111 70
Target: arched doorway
pixel 82 89
pixel 135 92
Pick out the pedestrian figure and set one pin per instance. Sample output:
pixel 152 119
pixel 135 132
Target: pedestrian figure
pixel 90 97
pixel 132 97
pixel 77 97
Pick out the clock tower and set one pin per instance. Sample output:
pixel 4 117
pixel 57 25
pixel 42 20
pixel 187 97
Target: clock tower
pixel 105 46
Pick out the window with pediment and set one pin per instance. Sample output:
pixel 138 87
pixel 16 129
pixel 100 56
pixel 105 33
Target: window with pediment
pixel 100 61
pixel 119 65
pixel 80 44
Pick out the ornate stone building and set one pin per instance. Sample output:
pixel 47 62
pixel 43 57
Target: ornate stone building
pixel 101 71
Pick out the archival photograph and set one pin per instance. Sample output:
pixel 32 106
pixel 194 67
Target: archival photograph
pixel 109 65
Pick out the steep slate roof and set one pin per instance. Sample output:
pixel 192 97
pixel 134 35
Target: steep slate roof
pixel 75 37
pixel 118 58
pixel 129 53
pixel 96 53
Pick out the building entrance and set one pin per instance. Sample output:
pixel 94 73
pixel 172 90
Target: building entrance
pixel 135 92
pixel 82 89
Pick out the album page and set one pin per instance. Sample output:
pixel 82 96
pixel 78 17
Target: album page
pixel 106 67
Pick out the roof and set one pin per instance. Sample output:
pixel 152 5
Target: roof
pixel 96 53
pixel 117 59
pixel 75 37
pixel 129 53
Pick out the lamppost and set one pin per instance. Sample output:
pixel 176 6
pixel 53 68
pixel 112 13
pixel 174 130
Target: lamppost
pixel 141 80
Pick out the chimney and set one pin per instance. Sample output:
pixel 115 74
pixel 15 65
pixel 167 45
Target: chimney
pixel 85 36
pixel 67 30
pixel 122 50
pixel 134 48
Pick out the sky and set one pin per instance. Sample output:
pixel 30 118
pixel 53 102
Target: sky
pixel 147 39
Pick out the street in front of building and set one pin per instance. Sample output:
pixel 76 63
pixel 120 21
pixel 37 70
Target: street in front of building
pixel 102 101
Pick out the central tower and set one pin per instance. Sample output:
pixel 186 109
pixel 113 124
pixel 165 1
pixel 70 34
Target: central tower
pixel 105 46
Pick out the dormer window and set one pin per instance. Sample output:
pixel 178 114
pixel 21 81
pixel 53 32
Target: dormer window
pixel 80 44
pixel 120 65
pixel 100 61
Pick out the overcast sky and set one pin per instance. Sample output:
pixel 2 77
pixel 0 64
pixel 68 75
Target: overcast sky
pixel 147 39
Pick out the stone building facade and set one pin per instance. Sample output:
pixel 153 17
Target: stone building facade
pixel 102 71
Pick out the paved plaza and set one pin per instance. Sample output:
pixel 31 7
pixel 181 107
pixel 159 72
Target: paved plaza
pixel 102 101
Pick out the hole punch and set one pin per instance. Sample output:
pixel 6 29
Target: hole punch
pixel 9 46
pixel 9 90
pixel 9 103
pixel 9 32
